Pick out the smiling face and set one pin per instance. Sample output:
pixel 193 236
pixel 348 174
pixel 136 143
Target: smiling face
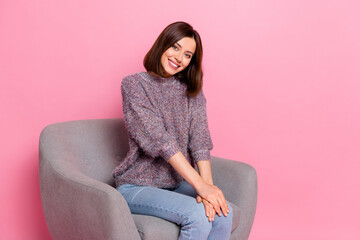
pixel 178 56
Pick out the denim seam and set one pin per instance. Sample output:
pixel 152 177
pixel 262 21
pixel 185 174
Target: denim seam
pixel 160 209
pixel 136 194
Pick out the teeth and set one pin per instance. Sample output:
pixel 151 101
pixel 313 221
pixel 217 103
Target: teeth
pixel 173 64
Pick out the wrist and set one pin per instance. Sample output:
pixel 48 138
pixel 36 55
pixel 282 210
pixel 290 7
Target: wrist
pixel 205 171
pixel 199 184
pixel 208 180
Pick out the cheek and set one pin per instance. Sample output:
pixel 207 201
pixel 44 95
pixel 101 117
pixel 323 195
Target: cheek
pixel 169 52
pixel 187 62
pixel 164 57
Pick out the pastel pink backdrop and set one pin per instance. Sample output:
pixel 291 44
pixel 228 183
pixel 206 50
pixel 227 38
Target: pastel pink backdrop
pixel 281 79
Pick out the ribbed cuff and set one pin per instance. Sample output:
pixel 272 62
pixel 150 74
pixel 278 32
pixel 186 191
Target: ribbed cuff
pixel 168 150
pixel 201 155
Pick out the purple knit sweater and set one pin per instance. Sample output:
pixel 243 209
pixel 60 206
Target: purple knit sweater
pixel 161 120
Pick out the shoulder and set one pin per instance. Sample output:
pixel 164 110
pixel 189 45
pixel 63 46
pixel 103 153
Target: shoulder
pixel 133 78
pixel 132 81
pixel 199 98
pixel 138 84
pixel 137 79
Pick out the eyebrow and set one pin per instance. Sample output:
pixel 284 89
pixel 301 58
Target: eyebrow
pixel 186 51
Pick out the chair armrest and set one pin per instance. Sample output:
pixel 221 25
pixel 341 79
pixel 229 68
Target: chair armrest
pixel 238 181
pixel 89 209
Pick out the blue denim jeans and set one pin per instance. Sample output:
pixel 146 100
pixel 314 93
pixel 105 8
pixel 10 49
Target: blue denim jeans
pixel 179 206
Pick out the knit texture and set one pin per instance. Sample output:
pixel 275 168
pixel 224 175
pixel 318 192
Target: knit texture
pixel 161 120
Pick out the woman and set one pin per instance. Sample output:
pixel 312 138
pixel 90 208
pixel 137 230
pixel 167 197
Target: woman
pixel 165 116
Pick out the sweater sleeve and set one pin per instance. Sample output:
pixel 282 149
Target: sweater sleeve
pixel 200 142
pixel 144 124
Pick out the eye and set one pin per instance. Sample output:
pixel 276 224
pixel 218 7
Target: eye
pixel 188 55
pixel 175 47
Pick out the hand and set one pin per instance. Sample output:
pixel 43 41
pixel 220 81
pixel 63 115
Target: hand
pixel 209 209
pixel 215 197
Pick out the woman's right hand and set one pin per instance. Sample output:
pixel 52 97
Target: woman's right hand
pixel 215 196
pixel 207 191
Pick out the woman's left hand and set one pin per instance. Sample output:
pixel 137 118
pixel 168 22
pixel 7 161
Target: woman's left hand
pixel 209 209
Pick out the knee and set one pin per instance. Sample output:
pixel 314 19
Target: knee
pixel 231 213
pixel 225 222
pixel 199 223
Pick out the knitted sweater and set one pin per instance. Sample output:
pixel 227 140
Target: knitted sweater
pixel 161 120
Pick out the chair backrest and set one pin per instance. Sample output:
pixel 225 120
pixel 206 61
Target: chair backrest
pixel 93 147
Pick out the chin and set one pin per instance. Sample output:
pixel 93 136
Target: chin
pixel 171 73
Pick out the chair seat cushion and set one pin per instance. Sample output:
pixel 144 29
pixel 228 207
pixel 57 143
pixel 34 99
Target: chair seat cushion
pixel 150 227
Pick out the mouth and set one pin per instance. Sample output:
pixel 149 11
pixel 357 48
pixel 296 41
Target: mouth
pixel 173 65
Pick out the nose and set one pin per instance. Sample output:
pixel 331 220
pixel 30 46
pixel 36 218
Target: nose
pixel 179 57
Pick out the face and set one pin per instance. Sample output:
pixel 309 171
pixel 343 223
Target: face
pixel 178 56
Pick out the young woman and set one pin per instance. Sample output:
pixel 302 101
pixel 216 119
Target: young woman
pixel 166 120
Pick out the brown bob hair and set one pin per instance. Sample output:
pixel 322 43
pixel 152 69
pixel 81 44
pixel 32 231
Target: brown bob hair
pixel 192 75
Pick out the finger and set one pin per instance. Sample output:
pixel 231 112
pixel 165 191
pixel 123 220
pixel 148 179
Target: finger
pixel 198 199
pixel 212 214
pixel 215 205
pixel 207 209
pixel 224 206
pixel 219 210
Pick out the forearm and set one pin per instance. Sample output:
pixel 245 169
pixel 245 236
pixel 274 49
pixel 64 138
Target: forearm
pixel 205 190
pixel 204 167
pixel 183 167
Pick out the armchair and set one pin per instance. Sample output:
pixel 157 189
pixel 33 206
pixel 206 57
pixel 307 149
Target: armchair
pixel 79 200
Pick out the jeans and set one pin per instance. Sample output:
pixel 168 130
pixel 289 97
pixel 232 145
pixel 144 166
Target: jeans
pixel 179 206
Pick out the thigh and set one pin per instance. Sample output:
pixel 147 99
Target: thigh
pixel 187 189
pixel 169 205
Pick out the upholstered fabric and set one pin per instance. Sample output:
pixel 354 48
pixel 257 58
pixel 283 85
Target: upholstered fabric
pixel 78 195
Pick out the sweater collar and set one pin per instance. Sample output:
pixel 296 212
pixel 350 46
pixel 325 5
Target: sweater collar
pixel 162 80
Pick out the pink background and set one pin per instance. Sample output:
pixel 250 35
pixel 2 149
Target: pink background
pixel 282 79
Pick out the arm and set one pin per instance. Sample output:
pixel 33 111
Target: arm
pixel 205 172
pixel 143 122
pixel 207 191
pixel 200 145
pixel 200 142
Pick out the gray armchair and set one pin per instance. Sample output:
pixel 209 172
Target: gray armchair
pixel 78 195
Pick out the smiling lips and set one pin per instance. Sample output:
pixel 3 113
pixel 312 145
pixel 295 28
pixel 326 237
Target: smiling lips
pixel 173 65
